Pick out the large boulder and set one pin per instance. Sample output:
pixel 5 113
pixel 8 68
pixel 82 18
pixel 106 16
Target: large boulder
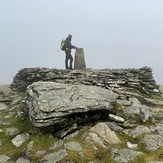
pixel 52 103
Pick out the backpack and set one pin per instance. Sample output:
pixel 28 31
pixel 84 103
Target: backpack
pixel 63 44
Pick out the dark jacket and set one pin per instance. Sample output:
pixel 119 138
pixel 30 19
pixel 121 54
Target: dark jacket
pixel 68 44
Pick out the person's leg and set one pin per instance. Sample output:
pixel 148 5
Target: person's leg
pixel 71 61
pixel 66 60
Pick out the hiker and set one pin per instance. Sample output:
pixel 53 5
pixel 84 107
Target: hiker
pixel 68 52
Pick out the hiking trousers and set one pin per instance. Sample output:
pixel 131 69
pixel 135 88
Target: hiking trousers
pixel 68 57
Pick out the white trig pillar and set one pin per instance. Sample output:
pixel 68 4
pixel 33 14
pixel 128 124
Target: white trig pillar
pixel 79 62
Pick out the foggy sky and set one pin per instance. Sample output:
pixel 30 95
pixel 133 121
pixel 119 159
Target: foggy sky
pixel 113 33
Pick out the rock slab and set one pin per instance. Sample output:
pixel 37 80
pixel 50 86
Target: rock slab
pixel 51 103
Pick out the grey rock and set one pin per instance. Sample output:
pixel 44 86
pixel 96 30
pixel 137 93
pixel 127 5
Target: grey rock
pixel 12 131
pixel 72 135
pixel 124 102
pixel 153 142
pixel 87 139
pixel 16 100
pixel 116 118
pixel 22 160
pixel 157 128
pixel 5 122
pixel 54 157
pixel 97 140
pixel 3 106
pixel 131 145
pixel 40 152
pixel 56 145
pixel 138 109
pixel 29 147
pixel 105 133
pixel 124 155
pixel 4 158
pixel 51 103
pixel 8 116
pixel 68 131
pixel 144 114
pixel 134 108
pixel 139 130
pixel 82 155
pixel 19 139
pixel 73 146
pixel 114 126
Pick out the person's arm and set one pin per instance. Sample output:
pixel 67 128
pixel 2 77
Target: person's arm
pixel 69 45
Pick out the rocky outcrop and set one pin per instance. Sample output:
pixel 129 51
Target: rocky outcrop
pixel 52 103
pixel 139 79
pixel 127 132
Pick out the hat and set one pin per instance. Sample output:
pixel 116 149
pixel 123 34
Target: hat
pixel 70 36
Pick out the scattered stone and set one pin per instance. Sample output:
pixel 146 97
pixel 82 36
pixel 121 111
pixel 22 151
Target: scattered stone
pixel 29 147
pixel 5 122
pixel 82 155
pixel 114 127
pixel 16 100
pixel 124 102
pixel 131 145
pixel 40 152
pixel 134 108
pixel 3 106
pixel 124 155
pixel 20 139
pixel 22 160
pixel 4 158
pixel 66 133
pixel 116 118
pixel 89 141
pixel 73 146
pixel 8 116
pixel 71 135
pixel 157 128
pixel 153 142
pixel 55 157
pixel 97 140
pixel 139 130
pixel 105 133
pixel 12 131
pixel 56 145
pixel 144 114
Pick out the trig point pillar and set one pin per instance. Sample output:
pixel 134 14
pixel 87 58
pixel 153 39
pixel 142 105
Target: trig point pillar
pixel 79 62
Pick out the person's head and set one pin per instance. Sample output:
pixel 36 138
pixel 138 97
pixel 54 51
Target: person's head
pixel 70 36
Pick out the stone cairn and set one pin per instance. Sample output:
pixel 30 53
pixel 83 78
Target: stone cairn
pixel 137 79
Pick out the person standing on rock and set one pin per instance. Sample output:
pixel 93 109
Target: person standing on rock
pixel 69 46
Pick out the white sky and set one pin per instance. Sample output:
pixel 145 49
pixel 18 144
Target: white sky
pixel 113 33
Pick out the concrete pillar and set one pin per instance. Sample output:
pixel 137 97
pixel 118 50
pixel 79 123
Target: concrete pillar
pixel 79 61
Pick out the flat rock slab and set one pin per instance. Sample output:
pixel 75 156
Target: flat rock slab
pixel 52 103
pixel 124 155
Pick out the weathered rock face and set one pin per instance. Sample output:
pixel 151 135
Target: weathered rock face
pixel 139 79
pixel 52 103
